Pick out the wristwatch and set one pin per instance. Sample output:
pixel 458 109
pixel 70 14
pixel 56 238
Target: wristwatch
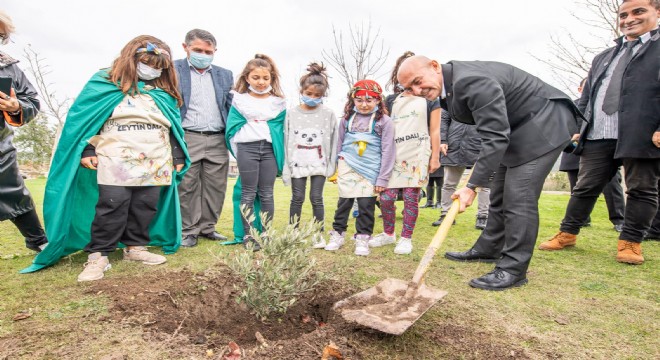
pixel 473 187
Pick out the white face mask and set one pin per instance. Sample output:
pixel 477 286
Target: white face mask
pixel 266 91
pixel 146 72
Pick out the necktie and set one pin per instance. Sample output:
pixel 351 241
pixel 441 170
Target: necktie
pixel 613 92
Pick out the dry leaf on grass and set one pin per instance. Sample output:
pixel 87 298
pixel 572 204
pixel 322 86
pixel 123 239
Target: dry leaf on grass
pixel 22 315
pixel 231 352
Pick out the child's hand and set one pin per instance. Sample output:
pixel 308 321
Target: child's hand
pixel 178 167
pixel 89 162
pixel 379 189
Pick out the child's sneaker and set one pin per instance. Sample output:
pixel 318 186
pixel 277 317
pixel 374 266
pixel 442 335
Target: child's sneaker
pixel 404 246
pixel 95 266
pixel 336 241
pixel 140 253
pixel 362 245
pixel 318 241
pixel 382 240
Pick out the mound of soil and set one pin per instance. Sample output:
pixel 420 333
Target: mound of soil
pixel 203 307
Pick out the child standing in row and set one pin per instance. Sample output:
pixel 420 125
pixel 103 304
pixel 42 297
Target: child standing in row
pixel 366 158
pixel 255 136
pixel 417 138
pixel 311 146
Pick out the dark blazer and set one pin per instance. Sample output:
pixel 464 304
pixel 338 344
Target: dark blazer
pixel 223 80
pixel 639 106
pixel 514 113
pixel 463 142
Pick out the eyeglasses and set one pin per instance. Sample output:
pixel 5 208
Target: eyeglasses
pixel 370 101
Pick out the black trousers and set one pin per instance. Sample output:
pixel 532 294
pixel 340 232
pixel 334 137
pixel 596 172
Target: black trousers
pixel 437 183
pixel 30 227
pixel 642 176
pixel 613 193
pixel 597 167
pixel 123 213
pixel 654 230
pixel 364 223
pixel 513 217
pixel 298 190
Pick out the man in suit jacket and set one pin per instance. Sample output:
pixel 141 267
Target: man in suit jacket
pixel 206 102
pixel 620 99
pixel 524 124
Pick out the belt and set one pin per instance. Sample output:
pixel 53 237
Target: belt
pixel 205 132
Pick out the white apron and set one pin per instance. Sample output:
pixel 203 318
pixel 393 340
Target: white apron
pixel 133 147
pixel 412 143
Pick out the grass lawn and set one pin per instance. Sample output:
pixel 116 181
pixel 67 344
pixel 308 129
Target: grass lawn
pixel 579 303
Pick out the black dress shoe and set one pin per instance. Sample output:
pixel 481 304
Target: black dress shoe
pixel 618 227
pixel 249 241
pixel 470 255
pixel 651 236
pixel 481 223
pixel 189 241
pixel 440 220
pixel 498 280
pixel 35 247
pixel 214 236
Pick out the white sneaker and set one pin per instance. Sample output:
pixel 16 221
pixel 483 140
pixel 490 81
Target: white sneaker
pixel 318 241
pixel 95 266
pixel 362 245
pixel 140 253
pixel 336 241
pixel 404 246
pixel 382 240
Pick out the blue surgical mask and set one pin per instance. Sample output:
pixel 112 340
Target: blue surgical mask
pixel 311 102
pixel 146 72
pixel 199 60
pixel 372 111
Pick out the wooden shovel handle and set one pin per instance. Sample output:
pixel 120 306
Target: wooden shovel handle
pixel 439 237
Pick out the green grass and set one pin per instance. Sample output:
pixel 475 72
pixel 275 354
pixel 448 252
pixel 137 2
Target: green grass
pixel 579 303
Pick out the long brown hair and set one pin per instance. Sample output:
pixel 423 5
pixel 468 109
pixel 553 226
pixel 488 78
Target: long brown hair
pixel 123 71
pixel 394 82
pixel 260 60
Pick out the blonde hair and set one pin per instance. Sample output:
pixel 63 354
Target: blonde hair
pixel 8 23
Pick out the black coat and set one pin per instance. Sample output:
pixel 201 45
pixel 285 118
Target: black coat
pixel 463 142
pixel 639 106
pixel 513 112
pixel 14 197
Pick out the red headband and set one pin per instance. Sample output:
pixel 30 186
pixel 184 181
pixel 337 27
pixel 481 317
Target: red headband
pixel 366 88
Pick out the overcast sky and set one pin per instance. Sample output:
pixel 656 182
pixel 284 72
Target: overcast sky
pixel 78 37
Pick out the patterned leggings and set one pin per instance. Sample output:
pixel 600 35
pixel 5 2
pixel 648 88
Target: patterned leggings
pixel 410 210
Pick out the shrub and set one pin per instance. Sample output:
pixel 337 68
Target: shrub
pixel 274 278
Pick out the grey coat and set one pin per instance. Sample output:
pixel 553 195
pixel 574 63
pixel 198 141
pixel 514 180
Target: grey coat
pixel 463 142
pixel 15 199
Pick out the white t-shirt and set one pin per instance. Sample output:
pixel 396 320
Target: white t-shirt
pixel 257 112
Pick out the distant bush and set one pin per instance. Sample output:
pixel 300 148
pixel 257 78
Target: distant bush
pixel 556 181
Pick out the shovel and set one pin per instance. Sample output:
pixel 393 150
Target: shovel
pixel 393 305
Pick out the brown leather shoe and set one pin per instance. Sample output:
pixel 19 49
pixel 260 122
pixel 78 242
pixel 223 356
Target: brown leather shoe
pixel 559 241
pixel 629 252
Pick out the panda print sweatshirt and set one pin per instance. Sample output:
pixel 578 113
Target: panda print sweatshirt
pixel 310 143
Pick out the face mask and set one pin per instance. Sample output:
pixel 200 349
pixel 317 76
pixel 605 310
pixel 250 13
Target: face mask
pixel 199 60
pixel 268 89
pixel 371 112
pixel 146 72
pixel 311 102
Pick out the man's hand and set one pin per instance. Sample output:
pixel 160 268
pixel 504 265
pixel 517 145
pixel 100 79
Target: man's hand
pixel 9 103
pixel 89 162
pixel 434 163
pixel 443 149
pixel 656 139
pixel 465 196
pixel 575 137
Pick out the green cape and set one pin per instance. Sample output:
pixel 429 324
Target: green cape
pixel 235 121
pixel 72 191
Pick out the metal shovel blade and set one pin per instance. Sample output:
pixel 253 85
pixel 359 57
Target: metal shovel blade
pixel 386 307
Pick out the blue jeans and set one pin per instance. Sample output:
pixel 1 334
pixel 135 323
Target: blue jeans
pixel 258 170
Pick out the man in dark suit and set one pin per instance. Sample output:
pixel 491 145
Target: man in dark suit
pixel 205 90
pixel 620 99
pixel 524 124
pixel 613 191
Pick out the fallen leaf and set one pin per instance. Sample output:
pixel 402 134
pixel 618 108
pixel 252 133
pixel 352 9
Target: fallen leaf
pixel 209 353
pixel 231 352
pixel 561 321
pixel 260 339
pixel 331 350
pixel 306 319
pixel 22 316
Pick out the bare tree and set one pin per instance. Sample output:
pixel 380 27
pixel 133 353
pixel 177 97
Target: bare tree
pixel 55 107
pixel 365 55
pixel 571 57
